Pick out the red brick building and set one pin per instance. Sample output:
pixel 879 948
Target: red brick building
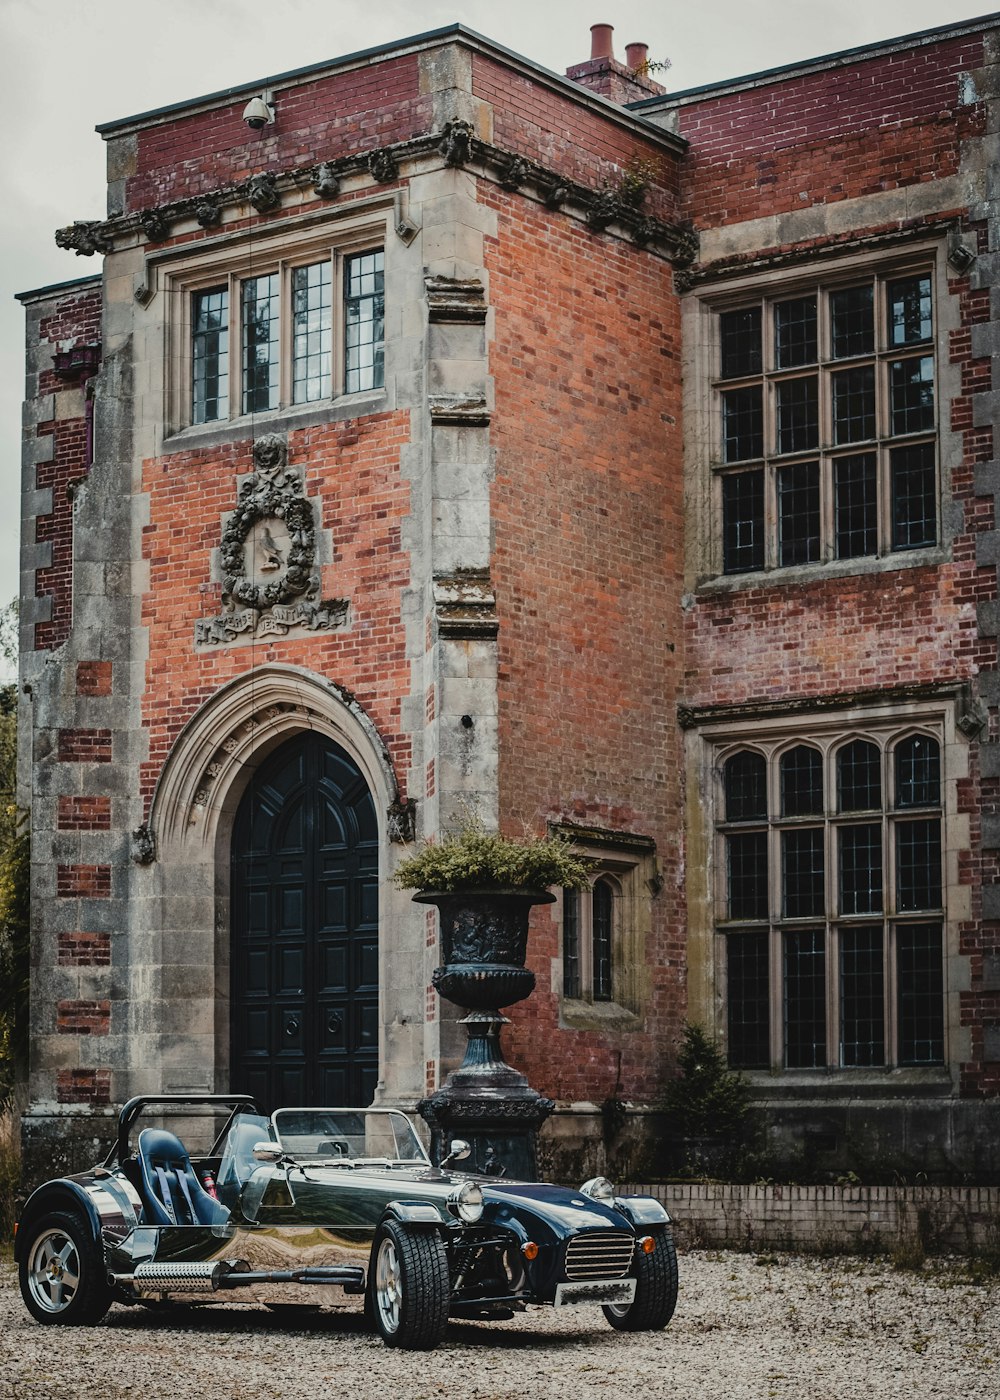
pixel 619 461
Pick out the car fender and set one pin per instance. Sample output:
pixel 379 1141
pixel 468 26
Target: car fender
pixel 418 1213
pixel 64 1194
pixel 644 1212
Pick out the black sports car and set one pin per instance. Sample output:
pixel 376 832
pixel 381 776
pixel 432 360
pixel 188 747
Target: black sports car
pixel 327 1205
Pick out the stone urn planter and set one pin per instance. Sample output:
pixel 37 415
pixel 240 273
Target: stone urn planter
pixel 484 915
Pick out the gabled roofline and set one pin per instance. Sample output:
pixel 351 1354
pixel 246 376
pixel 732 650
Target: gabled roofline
pixel 42 293
pixel 432 38
pixel 839 59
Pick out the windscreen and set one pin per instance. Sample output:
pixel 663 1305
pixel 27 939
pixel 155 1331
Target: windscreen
pixel 348 1135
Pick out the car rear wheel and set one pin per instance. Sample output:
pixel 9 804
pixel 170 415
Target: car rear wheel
pixel 410 1287
pixel 655 1291
pixel 62 1273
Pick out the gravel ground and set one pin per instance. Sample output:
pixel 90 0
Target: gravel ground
pixel 746 1328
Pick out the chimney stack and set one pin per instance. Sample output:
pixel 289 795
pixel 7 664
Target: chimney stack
pixel 601 42
pixel 618 82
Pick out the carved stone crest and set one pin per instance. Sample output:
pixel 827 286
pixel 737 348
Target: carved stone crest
pixel 514 173
pixel 142 846
pixel 208 214
pixel 154 225
pixel 270 583
pixel 85 238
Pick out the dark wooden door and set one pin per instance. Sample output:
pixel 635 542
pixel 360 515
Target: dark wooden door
pixel 304 1010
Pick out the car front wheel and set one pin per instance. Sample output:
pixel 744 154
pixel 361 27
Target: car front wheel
pixel 62 1272
pixel 410 1288
pixel 655 1291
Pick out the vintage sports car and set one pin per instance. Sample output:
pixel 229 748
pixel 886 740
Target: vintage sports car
pixel 331 1205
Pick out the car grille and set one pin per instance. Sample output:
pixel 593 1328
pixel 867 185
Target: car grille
pixel 599 1254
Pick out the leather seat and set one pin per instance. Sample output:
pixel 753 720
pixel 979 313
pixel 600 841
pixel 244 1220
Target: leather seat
pixel 173 1194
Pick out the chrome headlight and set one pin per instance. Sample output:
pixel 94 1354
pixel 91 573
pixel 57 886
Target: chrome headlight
pixel 467 1202
pixel 598 1188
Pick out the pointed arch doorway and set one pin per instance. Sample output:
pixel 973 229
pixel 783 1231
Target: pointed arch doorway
pixel 304 983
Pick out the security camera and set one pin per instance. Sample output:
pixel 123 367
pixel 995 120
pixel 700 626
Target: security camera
pixel 257 114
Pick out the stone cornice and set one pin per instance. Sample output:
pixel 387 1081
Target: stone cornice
pixel 604 210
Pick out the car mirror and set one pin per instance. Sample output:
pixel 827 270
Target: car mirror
pixel 267 1152
pixel 458 1150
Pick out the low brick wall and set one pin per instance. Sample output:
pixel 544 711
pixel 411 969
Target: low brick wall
pixel 945 1220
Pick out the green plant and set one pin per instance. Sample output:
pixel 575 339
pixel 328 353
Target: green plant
pixel 474 858
pixel 708 1111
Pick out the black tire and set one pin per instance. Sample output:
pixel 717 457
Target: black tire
pixel 62 1274
pixel 409 1287
pixel 655 1291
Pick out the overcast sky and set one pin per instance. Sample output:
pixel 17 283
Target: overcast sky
pixel 66 65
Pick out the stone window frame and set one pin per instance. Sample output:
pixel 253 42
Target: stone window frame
pixel 626 864
pixel 230 260
pixel 706 468
pixel 886 724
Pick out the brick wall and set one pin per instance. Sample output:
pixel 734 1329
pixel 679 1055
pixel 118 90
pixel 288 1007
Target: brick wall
pixel 945 1220
pixel 587 518
pixel 892 120
pixel 352 476
pixel 92 813
pixel 319 119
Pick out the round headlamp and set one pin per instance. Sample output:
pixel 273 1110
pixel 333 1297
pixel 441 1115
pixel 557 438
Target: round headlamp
pixel 598 1188
pixel 467 1202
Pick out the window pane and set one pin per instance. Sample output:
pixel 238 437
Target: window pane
pixel 862 997
pixel 798 514
pixel 311 332
pixel 260 343
pixel 795 332
pixel 911 394
pixel 854 404
pixel 603 913
pixel 914 508
pixel 909 304
pixel 749 998
pixel 801 775
pixel 805 999
pixel 742 424
pixel 745 777
pixel 571 944
pixel 918 772
pixel 743 522
pixel 210 355
pixel 920 994
pixel 802 874
pixel 852 322
pixel 861 869
pixel 746 859
pixel 798 415
pixel 364 322
pixel 739 332
pixel 918 865
pixel 855 489
pixel 859 777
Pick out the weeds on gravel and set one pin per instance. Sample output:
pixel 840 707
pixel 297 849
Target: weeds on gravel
pixel 10 1177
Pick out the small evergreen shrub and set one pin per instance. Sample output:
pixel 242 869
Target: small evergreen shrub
pixel 474 858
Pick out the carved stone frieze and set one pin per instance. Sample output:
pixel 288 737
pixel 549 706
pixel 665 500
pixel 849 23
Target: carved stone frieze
pixel 142 846
pixel 262 192
pixel 465 606
pixel 154 225
pixel 456 143
pixel 453 300
pixel 603 207
pixel 402 821
pixel 326 181
pixel 85 238
pixel 456 412
pixel 514 172
pixel 382 165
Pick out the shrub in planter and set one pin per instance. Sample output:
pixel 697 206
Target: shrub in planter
pixel 708 1110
